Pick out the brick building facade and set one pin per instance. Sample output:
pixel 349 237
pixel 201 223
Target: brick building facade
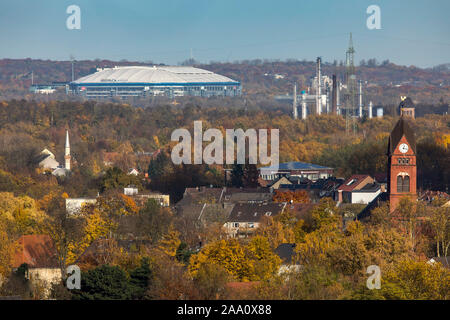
pixel 402 166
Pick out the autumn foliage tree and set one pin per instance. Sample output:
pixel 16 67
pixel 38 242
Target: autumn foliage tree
pixel 297 196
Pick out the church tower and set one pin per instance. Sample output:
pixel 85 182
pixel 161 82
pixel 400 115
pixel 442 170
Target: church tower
pixel 67 152
pixel 402 168
pixel 406 108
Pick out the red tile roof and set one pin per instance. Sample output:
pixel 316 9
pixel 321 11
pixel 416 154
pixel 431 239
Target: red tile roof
pixel 357 177
pixel 38 251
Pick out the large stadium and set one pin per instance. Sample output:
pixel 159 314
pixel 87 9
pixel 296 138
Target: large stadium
pixel 170 81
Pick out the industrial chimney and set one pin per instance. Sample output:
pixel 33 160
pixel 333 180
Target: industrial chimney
pixel 334 96
pixel 294 103
pixel 318 87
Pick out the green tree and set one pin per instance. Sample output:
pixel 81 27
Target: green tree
pixel 115 178
pixel 140 278
pixel 104 283
pixel 250 176
pixel 158 166
pixel 237 175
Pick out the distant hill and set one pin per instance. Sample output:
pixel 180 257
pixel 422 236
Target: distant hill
pixel 384 82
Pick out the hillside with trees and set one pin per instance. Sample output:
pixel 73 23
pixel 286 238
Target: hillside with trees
pixel 384 82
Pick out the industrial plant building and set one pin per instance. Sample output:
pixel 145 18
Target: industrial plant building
pixel 144 81
pixel 331 95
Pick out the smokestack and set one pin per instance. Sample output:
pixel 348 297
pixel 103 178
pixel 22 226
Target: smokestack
pixel 327 102
pixel 360 99
pixel 334 96
pixel 318 90
pixel 294 104
pixel 303 105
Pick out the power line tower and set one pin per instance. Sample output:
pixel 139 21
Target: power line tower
pixel 72 61
pixel 350 96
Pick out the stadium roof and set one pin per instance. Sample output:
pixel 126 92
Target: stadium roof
pixel 154 75
pixel 295 166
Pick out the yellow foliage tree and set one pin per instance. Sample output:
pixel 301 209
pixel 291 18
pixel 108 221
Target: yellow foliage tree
pixel 6 251
pixel 170 242
pixel 20 213
pixel 229 254
pixel 266 261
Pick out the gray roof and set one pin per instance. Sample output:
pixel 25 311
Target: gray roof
pixel 154 75
pixel 60 172
pixel 248 196
pixel 253 212
pixel 295 165
pixel 47 162
pixel 285 251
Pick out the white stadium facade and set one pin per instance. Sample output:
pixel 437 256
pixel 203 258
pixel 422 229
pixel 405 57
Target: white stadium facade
pixel 142 81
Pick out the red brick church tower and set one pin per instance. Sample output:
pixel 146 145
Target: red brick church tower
pixel 402 169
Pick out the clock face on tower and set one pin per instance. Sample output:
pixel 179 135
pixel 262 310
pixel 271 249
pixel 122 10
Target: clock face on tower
pixel 403 148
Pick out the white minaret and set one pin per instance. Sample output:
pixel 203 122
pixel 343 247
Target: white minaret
pixel 67 152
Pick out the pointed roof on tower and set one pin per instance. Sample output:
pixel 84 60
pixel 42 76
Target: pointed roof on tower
pixel 401 129
pixel 67 138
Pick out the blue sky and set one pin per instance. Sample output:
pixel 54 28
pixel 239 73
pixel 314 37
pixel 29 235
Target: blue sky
pixel 413 32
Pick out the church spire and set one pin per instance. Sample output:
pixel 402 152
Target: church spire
pixel 67 152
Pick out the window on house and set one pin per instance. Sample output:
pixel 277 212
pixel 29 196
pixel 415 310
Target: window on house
pixel 236 224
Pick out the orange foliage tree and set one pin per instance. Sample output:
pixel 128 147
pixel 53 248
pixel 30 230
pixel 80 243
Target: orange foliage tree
pixel 298 196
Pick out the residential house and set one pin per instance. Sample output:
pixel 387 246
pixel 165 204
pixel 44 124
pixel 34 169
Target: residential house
pixel 142 197
pixel 39 254
pixel 133 171
pixel 317 189
pixel 246 217
pixel 74 205
pixel 46 160
pixel 278 183
pixel 348 191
